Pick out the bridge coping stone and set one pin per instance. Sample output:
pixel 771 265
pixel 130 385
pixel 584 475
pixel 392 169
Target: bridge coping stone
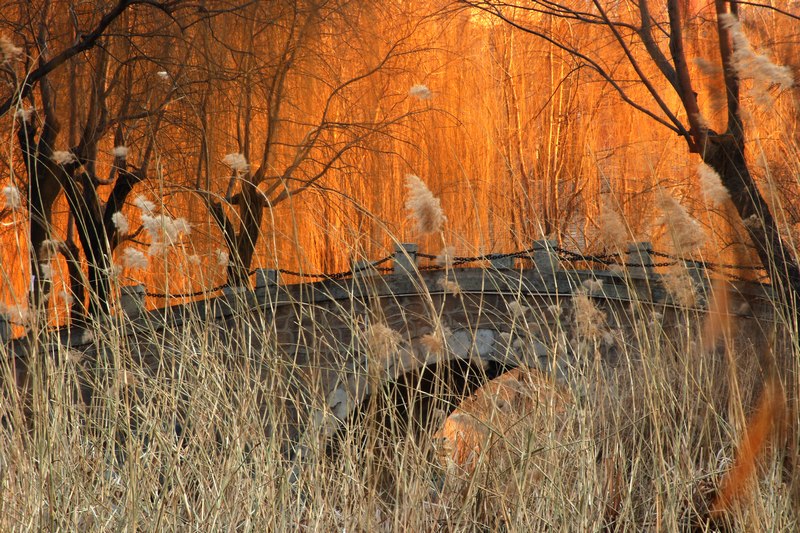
pixel 131 300
pixel 5 327
pixel 615 286
pixel 546 277
pixel 545 257
pixel 362 269
pixel 639 253
pixel 266 277
pixel 405 258
pixel 504 263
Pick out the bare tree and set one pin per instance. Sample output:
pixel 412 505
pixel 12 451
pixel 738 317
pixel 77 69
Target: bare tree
pixel 186 83
pixel 101 114
pixel 651 41
pixel 291 138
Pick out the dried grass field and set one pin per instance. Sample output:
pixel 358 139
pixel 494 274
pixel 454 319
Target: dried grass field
pixel 180 149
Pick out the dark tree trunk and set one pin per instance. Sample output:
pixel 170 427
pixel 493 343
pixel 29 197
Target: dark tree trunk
pixel 726 155
pixel 84 205
pixel 77 310
pixel 42 194
pixel 251 211
pixel 122 188
pixel 41 199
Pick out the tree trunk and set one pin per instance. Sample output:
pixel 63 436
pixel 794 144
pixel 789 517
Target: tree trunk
pixel 84 205
pixel 41 199
pixel 251 211
pixel 726 156
pixel 77 309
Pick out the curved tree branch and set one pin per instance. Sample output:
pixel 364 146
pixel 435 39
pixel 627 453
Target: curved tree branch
pixel 588 61
pixel 85 42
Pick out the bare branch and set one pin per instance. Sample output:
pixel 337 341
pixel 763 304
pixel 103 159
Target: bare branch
pixel 687 95
pixel 589 62
pixel 734 126
pixel 767 6
pixel 85 42
pixel 640 73
pixel 646 35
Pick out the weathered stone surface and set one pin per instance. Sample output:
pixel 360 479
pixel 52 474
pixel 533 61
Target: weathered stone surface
pixel 312 332
pixel 466 344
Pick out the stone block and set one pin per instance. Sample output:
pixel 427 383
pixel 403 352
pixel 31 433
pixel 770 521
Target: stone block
pixel 266 278
pixel 131 300
pixel 5 327
pixel 504 263
pixel 639 255
pixel 405 258
pixel 545 257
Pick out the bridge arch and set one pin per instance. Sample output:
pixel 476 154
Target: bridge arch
pixel 490 319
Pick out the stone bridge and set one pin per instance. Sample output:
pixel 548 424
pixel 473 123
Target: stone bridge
pixel 414 335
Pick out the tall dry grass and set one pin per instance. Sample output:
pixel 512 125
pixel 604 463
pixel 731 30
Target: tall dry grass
pixel 658 420
pixel 198 427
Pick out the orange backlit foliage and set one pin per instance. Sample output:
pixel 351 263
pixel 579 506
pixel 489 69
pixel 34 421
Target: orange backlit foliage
pixel 514 138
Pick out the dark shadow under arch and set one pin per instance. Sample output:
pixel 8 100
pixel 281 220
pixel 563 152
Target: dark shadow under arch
pixel 414 404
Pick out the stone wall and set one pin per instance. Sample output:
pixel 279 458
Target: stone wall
pixel 319 336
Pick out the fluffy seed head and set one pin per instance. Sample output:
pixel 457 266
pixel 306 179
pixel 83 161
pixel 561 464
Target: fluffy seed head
pixel 612 231
pixel 517 310
pixel 120 151
pixel 679 286
pixel 381 340
pixel 434 341
pixel 8 51
pixel 236 162
pixel 705 66
pixel 121 223
pixel 46 271
pixel 49 249
pixel 686 233
pixel 222 258
pixel 15 313
pixel 165 230
pixel 589 320
pixel 445 257
pixel 66 297
pixel 449 286
pixel 145 206
pixel 181 225
pixel 156 248
pixel 63 157
pixel 13 198
pixel 714 191
pixel 24 114
pixel 426 209
pixel 593 285
pixel 752 223
pixel 701 121
pixel 114 271
pixel 133 258
pixel 758 67
pixel 420 91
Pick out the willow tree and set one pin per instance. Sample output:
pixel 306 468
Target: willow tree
pixel 655 40
pixel 96 92
pixel 304 109
pixel 79 78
